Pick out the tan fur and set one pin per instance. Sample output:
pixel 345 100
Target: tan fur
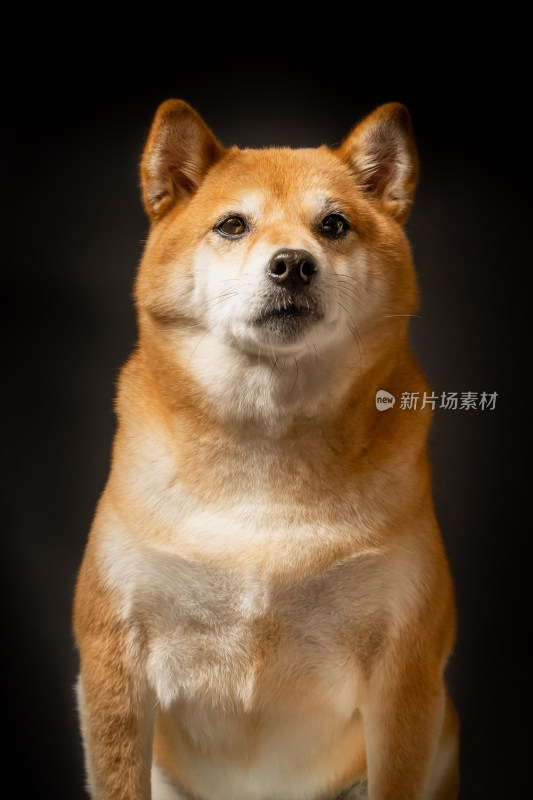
pixel 265 594
pixel 116 748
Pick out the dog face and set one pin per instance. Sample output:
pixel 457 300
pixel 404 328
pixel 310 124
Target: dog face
pixel 266 269
pixel 271 277
pixel 278 250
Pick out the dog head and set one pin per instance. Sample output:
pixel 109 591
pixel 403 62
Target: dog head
pixel 277 252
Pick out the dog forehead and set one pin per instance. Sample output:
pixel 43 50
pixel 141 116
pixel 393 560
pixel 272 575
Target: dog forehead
pixel 306 178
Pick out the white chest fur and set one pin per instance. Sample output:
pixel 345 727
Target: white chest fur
pixel 214 631
pixel 215 626
pixel 215 634
pixel 263 668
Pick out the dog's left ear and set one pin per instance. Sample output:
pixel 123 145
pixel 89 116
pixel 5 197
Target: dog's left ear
pixel 179 151
pixel 382 154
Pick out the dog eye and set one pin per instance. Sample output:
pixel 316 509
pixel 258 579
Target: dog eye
pixel 334 226
pixel 232 226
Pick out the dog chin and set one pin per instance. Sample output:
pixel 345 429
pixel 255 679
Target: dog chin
pixel 283 330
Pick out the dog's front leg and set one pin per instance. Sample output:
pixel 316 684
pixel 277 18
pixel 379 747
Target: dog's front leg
pixel 403 720
pixel 117 707
pixel 117 715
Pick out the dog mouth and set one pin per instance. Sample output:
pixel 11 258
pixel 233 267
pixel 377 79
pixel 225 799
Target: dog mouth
pixel 288 316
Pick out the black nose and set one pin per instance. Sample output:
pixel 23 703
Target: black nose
pixel 292 268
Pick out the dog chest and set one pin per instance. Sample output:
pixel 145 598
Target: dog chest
pixel 222 639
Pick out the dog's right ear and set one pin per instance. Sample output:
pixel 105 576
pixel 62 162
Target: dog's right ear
pixel 179 151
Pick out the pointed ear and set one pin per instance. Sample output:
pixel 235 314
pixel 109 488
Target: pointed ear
pixel 179 151
pixel 381 152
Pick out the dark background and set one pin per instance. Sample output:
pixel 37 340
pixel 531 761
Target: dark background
pixel 73 130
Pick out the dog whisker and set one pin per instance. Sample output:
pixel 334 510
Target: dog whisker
pixel 274 362
pixel 200 340
pixel 213 301
pixel 365 286
pixel 297 372
pixel 389 316
pixel 352 326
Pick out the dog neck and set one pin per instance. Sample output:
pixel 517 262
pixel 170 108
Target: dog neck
pixel 269 395
pixel 230 435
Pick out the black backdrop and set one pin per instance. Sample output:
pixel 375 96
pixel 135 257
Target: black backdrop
pixel 73 234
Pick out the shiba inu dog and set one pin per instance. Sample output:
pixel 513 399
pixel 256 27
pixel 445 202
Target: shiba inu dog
pixel 264 609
